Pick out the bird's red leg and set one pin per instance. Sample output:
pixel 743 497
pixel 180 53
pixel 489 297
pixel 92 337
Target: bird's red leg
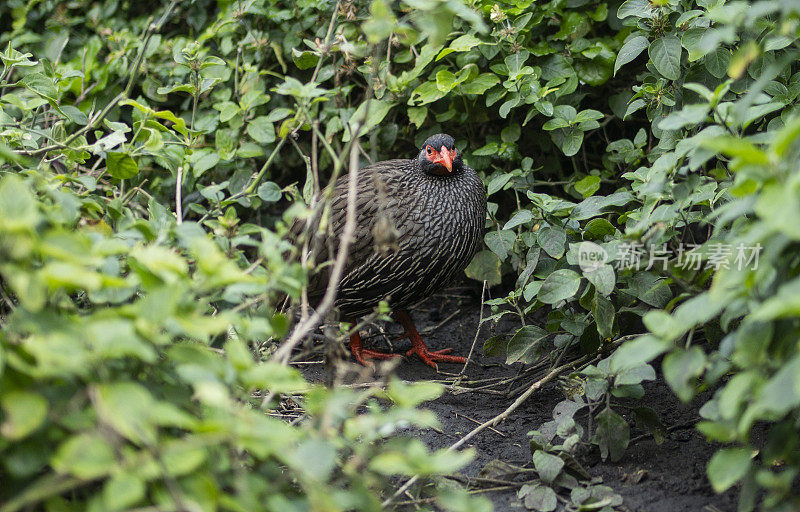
pixel 359 352
pixel 418 346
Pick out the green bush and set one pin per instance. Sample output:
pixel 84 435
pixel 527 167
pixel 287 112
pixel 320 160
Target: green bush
pixel 153 154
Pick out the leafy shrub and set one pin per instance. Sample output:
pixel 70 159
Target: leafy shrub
pixel 134 295
pixel 150 164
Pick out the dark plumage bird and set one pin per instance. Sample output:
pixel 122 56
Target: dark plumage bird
pixel 419 222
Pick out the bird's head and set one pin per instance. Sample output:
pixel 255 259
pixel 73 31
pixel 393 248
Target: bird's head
pixel 439 156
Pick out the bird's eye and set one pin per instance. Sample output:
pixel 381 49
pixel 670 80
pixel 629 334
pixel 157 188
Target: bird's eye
pixel 429 150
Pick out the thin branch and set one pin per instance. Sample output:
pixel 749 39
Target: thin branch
pixel 178 199
pixel 254 183
pixel 327 44
pixel 283 353
pixel 477 331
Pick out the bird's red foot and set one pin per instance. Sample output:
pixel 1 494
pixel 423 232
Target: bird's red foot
pixel 418 347
pixel 362 354
pixel 431 357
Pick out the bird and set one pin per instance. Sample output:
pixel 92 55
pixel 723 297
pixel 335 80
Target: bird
pixel 419 221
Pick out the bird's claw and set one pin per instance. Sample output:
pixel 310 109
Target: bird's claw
pixel 363 355
pixel 430 357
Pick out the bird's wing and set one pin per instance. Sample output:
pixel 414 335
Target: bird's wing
pixel 379 194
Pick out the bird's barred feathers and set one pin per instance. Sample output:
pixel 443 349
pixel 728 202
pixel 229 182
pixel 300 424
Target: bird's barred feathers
pixel 437 223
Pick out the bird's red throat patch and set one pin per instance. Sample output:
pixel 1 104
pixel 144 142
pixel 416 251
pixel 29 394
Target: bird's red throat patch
pixel 444 157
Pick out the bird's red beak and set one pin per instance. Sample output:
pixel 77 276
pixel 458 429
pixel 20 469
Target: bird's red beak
pixel 445 158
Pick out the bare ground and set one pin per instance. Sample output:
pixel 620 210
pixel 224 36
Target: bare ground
pixel 669 477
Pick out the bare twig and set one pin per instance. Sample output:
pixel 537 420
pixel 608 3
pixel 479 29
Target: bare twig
pixel 283 353
pixel 327 44
pixel 478 423
pixel 477 331
pixel 178 199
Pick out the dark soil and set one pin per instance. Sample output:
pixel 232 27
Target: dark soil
pixel 669 477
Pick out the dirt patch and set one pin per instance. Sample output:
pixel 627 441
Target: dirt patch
pixel 669 477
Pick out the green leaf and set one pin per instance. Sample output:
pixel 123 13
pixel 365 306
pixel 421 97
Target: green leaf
pixel 269 192
pixel 728 466
pixel 202 160
pixel 74 114
pixel 690 115
pixel 552 239
pixel 305 59
pixel 520 217
pixel 121 165
pixel 603 278
pixel 375 111
pixel 465 43
pixel 560 285
pixel 526 345
pixel 788 136
pixel 569 139
pixel 274 377
pixel 126 407
pixel 598 229
pixel 603 312
pixel 637 352
pixel 18 210
pixel 538 497
pixel 612 435
pixel 41 85
pixel 480 83
pixel 781 393
pixel 648 418
pixel 227 110
pixel 426 92
pixel 24 412
pixel 500 242
pixel 588 186
pixel 445 80
pixel 380 24
pixel 635 8
pixel 630 50
pixel 681 368
pixel 512 101
pixel 261 130
pixel 665 54
pixel 485 266
pixel 86 456
pixel 547 465
pixel 417 115
pixel 122 491
pixel 511 133
pixel 554 124
pixel 635 375
pixel 745 151
pixel 497 183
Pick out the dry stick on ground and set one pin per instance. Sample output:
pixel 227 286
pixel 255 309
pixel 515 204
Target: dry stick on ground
pixel 497 419
pixel 477 331
pixel 473 420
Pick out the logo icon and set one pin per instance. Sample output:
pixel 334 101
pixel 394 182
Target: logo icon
pixel 591 256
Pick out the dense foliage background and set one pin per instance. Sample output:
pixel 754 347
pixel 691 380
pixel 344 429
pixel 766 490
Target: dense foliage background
pixel 152 156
